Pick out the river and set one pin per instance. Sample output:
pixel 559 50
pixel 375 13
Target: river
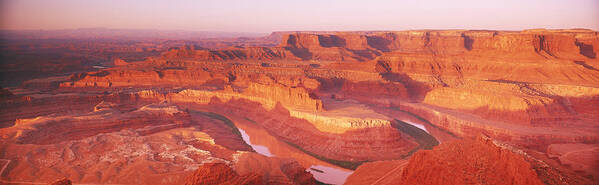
pixel 265 144
pixel 322 171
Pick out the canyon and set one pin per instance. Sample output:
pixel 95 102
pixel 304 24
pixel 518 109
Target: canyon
pixel 369 107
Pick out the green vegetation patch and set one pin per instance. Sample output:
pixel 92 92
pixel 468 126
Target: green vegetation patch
pixel 425 121
pixel 424 140
pixel 222 118
pixel 352 165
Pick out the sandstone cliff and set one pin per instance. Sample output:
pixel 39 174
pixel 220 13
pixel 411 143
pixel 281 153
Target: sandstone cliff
pixel 470 161
pixel 364 46
pixel 61 182
pixel 219 173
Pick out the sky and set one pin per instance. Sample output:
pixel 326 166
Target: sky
pixel 264 16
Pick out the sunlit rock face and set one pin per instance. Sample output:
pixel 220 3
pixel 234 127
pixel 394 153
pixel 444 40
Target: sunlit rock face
pixel 331 107
pixel 469 161
pixel 220 173
pixel 61 182
pixel 481 155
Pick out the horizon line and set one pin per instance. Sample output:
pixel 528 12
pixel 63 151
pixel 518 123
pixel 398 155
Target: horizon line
pixel 274 31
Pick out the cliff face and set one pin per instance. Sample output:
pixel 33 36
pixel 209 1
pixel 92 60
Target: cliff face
pixel 233 53
pixel 268 96
pixel 468 161
pixel 274 170
pixel 119 62
pixel 252 169
pixel 329 47
pixel 477 161
pixel 61 182
pixel 365 46
pixel 295 97
pixel 379 172
pixel 166 77
pixel 219 173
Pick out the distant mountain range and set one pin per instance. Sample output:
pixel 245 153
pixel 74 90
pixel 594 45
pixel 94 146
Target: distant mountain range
pixel 134 34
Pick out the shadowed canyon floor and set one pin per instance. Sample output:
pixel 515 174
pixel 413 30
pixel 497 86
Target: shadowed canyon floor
pixel 401 107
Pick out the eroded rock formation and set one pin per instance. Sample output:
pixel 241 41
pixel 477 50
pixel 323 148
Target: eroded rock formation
pixel 478 161
pixel 332 101
pixel 62 182
pixel 220 173
pixel 468 161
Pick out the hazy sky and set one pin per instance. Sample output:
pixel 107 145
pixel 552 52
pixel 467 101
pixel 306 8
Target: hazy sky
pixel 283 15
